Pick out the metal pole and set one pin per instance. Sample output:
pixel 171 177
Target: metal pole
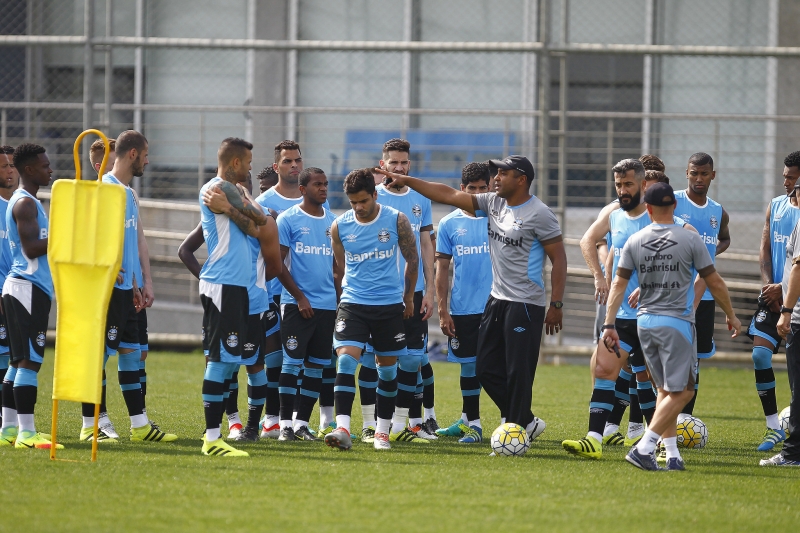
pixel 405 90
pixel 3 127
pixel 528 123
pixel 647 82
pixel 88 74
pixel 609 159
pixel 201 155
pixel 29 68
pixel 770 128
pixel 562 141
pixel 291 71
pixel 251 68
pixel 109 67
pixel 544 101
pixel 718 159
pixel 138 80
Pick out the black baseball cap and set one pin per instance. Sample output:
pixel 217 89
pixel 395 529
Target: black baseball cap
pixel 513 162
pixel 660 194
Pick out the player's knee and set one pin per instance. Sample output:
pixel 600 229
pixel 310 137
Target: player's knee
pixel 346 365
pixel 215 371
pixel 368 360
pixel 387 372
pixel 314 373
pixel 408 363
pixel 129 362
pixel 425 359
pixel 468 370
pixel 762 357
pixel 274 359
pixel 291 368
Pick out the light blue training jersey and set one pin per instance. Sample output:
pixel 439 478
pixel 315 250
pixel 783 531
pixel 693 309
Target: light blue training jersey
pixel 272 199
pixel 783 217
pixel 229 254
pixel 36 270
pixel 5 249
pixel 466 239
pixel 418 210
pixel 130 243
pixel 310 257
pixel 706 219
pixel 371 256
pixel 257 292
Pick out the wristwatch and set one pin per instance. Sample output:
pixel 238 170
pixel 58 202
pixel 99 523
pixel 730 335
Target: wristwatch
pixel 557 304
pixel 608 326
pixel 786 310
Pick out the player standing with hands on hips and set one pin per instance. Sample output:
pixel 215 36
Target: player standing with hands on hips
pixel 522 230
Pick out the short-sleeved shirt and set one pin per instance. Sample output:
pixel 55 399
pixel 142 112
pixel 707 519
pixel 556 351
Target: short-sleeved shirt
pixel 783 217
pixel 272 199
pixel 792 253
pixel 310 257
pixel 417 209
pixel 666 258
pixel 515 235
pixel 464 237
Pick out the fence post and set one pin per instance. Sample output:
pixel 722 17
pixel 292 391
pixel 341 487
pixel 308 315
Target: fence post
pixel 109 67
pixel 88 73
pixel 544 100
pixel 609 159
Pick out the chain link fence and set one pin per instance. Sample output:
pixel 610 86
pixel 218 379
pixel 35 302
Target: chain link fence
pixel 463 80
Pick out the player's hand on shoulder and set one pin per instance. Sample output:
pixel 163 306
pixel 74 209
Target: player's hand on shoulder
pixel 216 200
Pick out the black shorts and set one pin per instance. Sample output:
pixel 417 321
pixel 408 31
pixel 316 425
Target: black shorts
pixel 4 346
pixel 307 339
pixel 629 341
pixel 27 332
pixel 704 323
pixel 416 329
pixel 122 324
pixel 764 324
pixel 356 322
pixel 273 319
pixel 463 348
pixel 225 313
pixel 255 344
pixel 144 340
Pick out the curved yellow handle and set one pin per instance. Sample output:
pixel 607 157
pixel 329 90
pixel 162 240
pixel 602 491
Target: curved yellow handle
pixel 76 156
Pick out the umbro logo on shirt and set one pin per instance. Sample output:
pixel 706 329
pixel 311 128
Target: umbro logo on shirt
pixel 460 232
pixel 351 238
pixel 659 245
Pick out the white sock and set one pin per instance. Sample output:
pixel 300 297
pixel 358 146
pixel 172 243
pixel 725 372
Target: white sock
pixel 212 434
pixel 88 422
pixel 464 418
pixel 233 418
pixel 26 423
pixel 271 420
pixel 294 415
pixel 772 421
pixel 286 424
pixel 300 423
pixel 502 420
pixel 671 444
pixel 648 443
pixel 399 419
pixel 430 413
pixel 610 429
pixel 325 415
pixel 138 421
pixel 9 418
pixel 382 425
pixel 596 436
pixel 634 429
pixel 475 423
pixel 343 421
pixel 368 415
pixel 414 422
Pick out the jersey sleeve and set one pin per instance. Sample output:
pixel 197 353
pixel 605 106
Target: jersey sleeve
pixel 546 224
pixel 484 201
pixel 284 230
pixel 443 243
pixel 427 217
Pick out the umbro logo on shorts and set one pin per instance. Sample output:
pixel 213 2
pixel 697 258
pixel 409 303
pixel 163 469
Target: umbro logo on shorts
pixel 660 244
pixel 270 315
pixel 519 329
pixel 249 346
pixel 400 337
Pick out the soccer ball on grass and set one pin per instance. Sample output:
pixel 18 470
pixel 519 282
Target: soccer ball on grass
pixel 510 439
pixel 692 433
pixel 783 418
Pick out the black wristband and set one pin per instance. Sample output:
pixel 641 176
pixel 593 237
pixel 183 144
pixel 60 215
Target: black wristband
pixel 786 310
pixel 608 326
pixel 557 304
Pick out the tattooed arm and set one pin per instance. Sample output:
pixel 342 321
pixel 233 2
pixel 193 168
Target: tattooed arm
pixel 408 247
pixel 225 199
pixel 251 208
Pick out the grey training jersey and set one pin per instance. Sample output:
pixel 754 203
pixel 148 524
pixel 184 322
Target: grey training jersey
pixel 792 251
pixel 517 254
pixel 666 259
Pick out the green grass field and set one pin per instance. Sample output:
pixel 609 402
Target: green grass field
pixel 436 487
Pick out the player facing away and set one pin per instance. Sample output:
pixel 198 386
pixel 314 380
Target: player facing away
pixel 782 216
pixel 666 259
pixel 396 158
pixel 122 324
pixel 308 301
pixel 266 264
pixel 711 221
pixel 224 280
pixel 366 242
pixel 522 231
pixel 9 181
pixel 27 296
pixel 462 238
